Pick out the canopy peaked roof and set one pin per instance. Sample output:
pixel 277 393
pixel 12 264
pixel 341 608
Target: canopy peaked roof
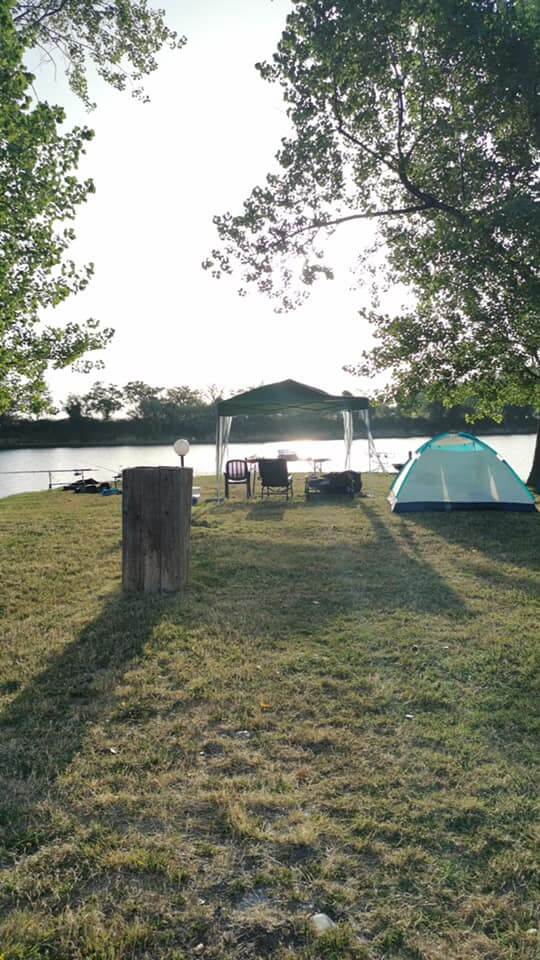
pixel 288 395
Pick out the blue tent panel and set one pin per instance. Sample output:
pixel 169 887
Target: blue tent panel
pixel 422 506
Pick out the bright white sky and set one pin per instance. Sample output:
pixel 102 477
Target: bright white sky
pixel 161 171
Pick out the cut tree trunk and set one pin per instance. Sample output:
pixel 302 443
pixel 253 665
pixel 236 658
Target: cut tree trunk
pixel 156 528
pixel 534 476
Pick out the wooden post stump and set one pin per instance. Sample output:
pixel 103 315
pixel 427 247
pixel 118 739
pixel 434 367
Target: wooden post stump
pixel 156 528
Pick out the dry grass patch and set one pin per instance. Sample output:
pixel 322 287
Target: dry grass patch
pixel 339 716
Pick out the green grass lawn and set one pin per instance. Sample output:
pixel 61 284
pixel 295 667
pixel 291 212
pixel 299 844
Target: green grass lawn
pixel 339 716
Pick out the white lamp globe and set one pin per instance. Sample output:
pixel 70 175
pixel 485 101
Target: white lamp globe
pixel 181 448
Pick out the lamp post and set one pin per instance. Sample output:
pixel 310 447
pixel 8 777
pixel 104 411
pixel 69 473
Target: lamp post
pixel 181 448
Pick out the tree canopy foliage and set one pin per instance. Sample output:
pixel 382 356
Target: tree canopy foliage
pixel 140 401
pixel 39 192
pixel 137 396
pixel 119 38
pixel 103 399
pixel 422 116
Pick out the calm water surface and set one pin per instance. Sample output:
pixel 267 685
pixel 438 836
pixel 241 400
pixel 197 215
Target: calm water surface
pixel 103 462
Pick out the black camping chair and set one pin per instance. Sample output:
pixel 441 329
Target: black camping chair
pixel 274 475
pixel 237 471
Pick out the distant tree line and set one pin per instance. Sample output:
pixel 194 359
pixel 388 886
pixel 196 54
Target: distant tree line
pixel 139 401
pixel 140 413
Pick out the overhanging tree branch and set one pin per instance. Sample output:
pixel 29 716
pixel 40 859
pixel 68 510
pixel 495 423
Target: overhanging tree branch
pixel 391 212
pixel 37 20
pixel 398 166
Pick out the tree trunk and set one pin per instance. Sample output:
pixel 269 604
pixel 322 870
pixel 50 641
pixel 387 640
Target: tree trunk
pixel 534 476
pixel 156 528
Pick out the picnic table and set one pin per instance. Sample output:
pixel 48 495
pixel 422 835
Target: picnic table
pixel 317 463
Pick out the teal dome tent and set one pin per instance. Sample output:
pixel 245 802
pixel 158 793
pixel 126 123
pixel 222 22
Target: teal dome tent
pixel 456 471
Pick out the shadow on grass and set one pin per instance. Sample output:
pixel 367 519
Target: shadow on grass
pixel 43 728
pixel 508 537
pixel 269 509
pixel 508 667
pixel 286 573
pixel 261 508
pixel 276 586
pixel 406 580
pixel 328 500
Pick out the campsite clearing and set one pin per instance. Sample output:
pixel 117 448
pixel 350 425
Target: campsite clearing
pixel 338 718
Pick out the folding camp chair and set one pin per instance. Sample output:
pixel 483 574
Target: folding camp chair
pixel 274 475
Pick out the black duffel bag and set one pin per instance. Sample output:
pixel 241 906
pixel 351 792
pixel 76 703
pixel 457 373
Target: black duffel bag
pixel 344 481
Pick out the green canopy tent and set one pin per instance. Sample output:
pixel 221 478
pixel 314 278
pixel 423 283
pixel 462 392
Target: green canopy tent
pixel 288 395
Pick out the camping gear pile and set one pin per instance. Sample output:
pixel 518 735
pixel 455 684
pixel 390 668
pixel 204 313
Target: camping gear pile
pixel 89 485
pixel 348 482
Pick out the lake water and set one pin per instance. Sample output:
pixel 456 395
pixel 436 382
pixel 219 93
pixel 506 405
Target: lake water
pixel 104 462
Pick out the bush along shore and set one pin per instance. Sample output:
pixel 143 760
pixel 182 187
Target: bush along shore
pixel 198 424
pixel 337 718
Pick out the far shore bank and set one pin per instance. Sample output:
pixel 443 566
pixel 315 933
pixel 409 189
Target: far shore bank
pixel 10 444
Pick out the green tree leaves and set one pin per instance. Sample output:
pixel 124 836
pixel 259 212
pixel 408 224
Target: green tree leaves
pixel 422 117
pixel 120 38
pixel 39 190
pixel 39 195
